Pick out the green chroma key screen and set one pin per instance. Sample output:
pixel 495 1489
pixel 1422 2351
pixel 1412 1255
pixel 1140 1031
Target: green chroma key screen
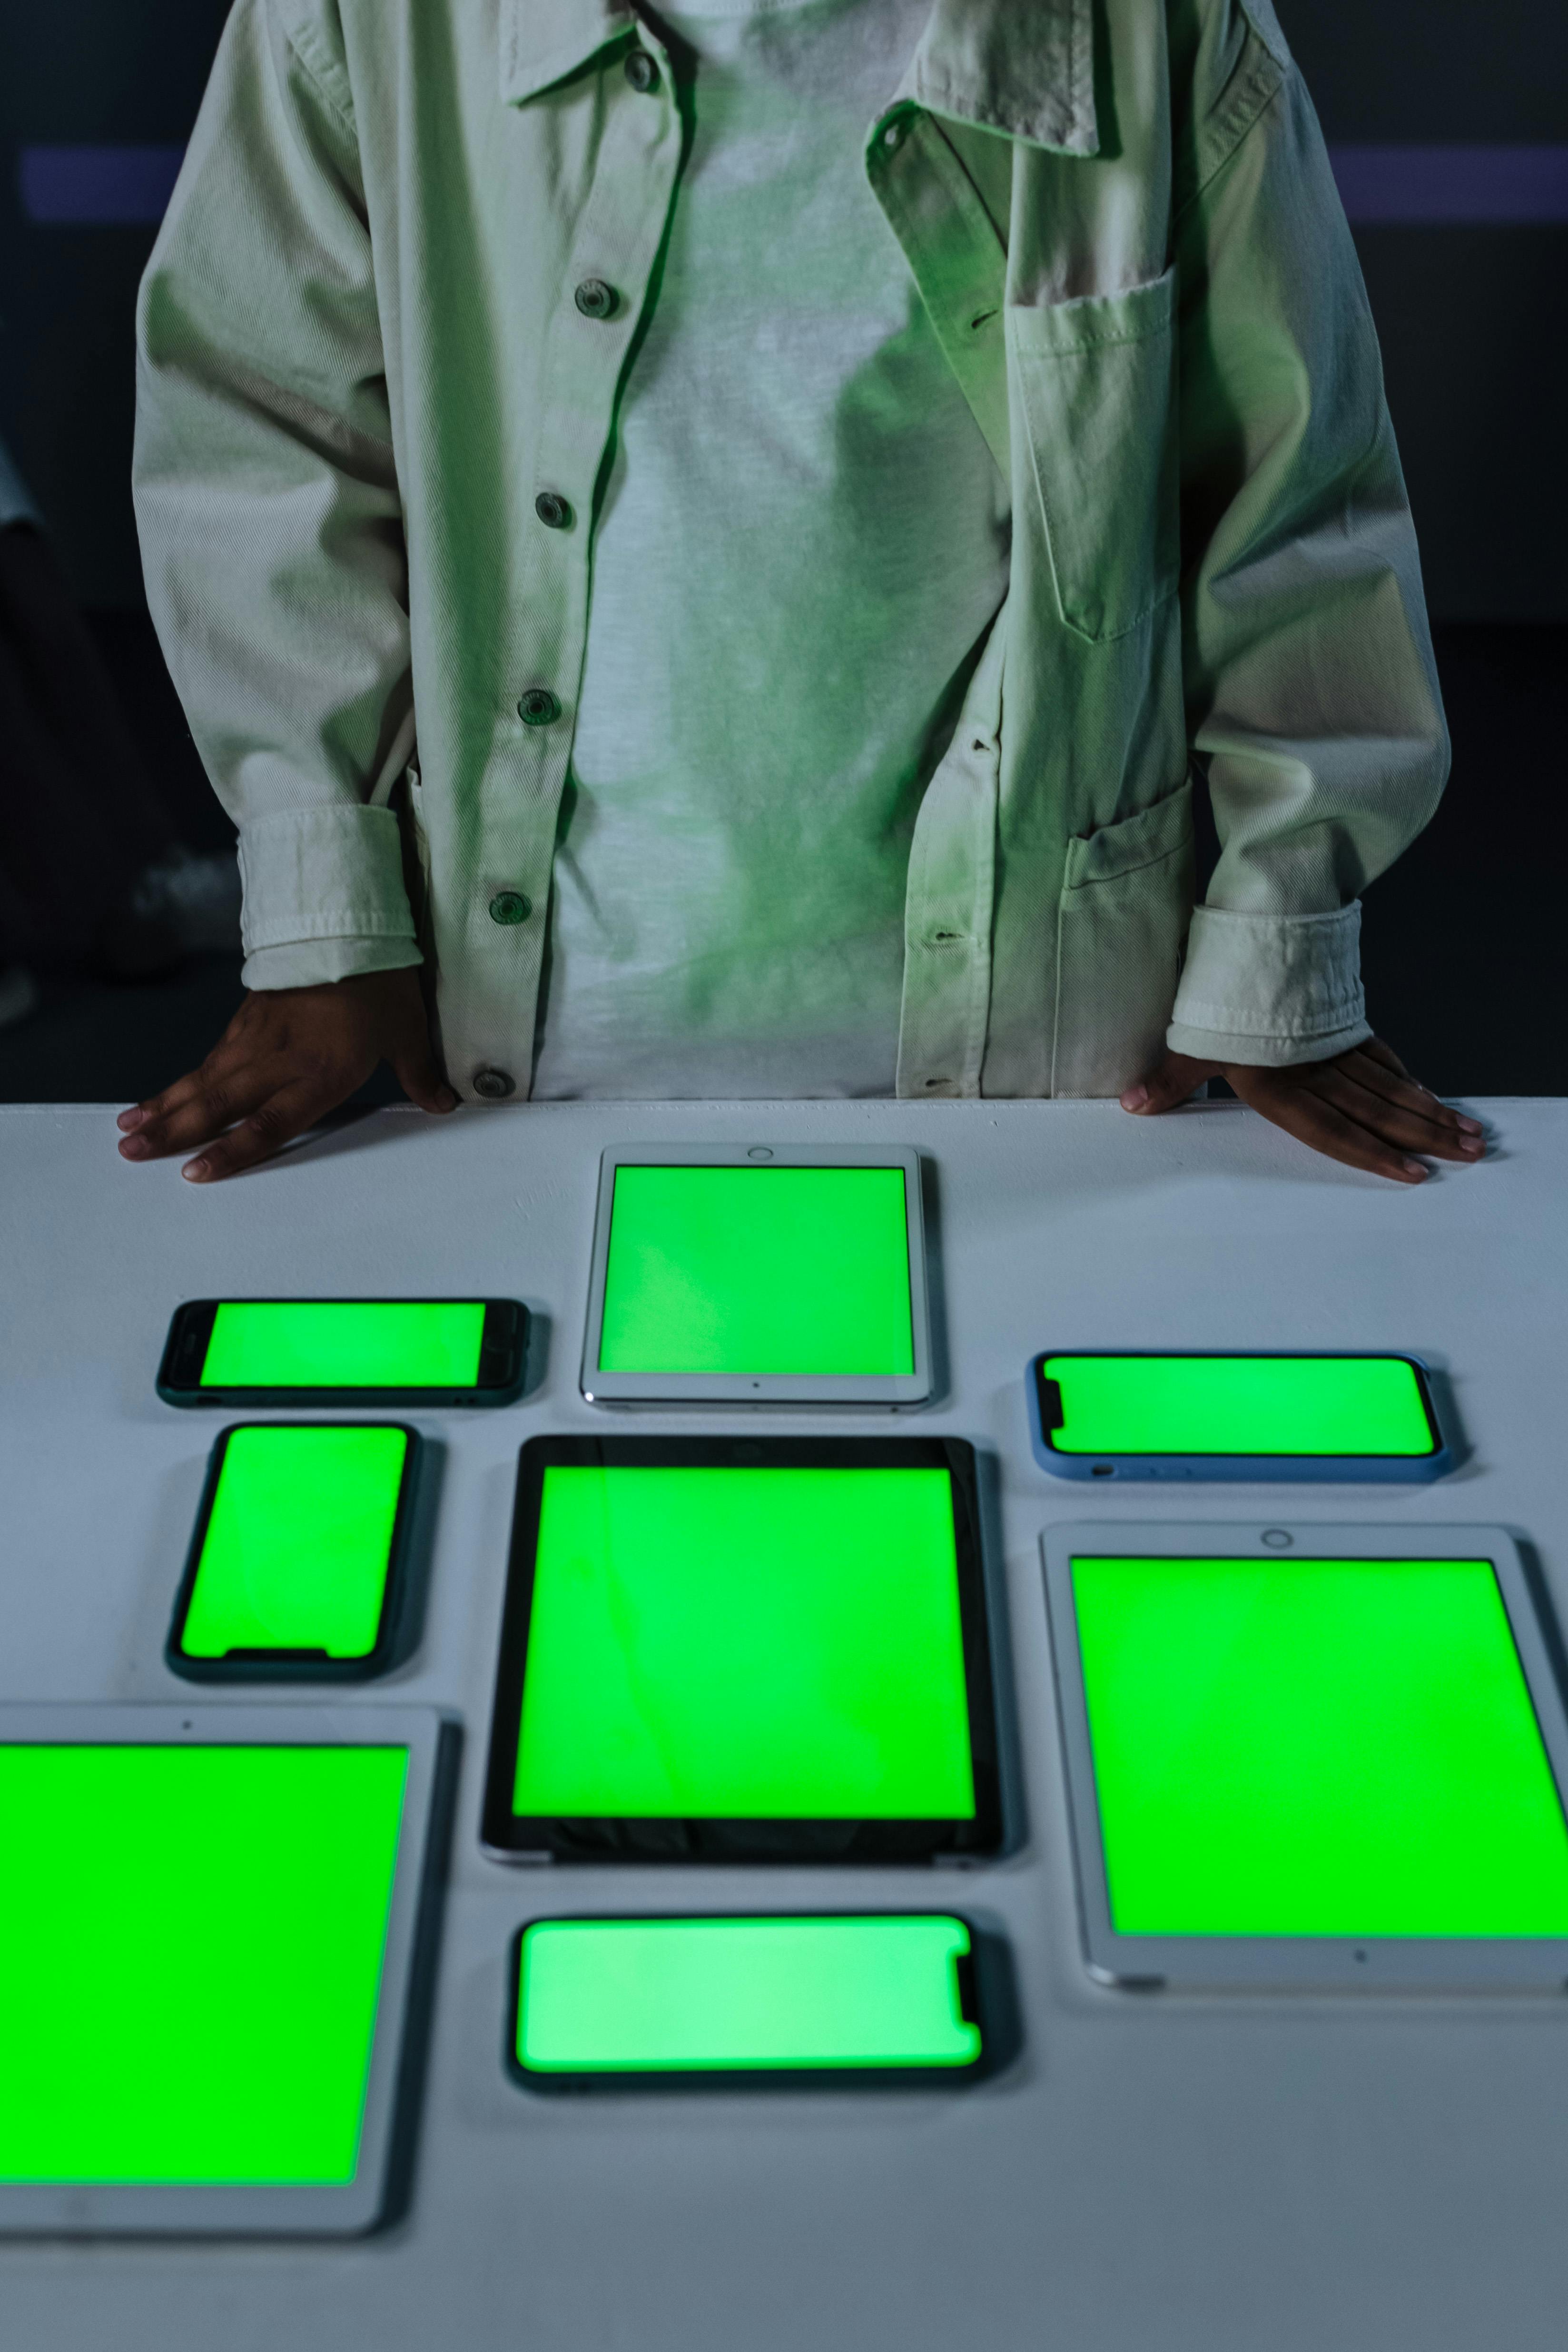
pixel 283 1343
pixel 298 1544
pixel 745 1644
pixel 1316 1748
pixel 1239 1404
pixel 607 1995
pixel 758 1270
pixel 191 1960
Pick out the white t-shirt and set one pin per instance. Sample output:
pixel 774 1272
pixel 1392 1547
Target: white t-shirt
pixel 803 542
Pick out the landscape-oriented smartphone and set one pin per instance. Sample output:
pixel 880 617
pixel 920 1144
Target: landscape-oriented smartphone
pixel 877 1996
pixel 1260 1417
pixel 285 1351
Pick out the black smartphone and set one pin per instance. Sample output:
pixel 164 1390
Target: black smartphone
pixel 286 1351
pixel 297 1570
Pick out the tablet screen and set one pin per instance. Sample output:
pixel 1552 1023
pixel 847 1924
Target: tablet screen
pixel 194 1939
pixel 758 1270
pixel 1327 1405
pixel 344 1343
pixel 1316 1748
pixel 797 1639
pixel 298 1540
pixel 628 1996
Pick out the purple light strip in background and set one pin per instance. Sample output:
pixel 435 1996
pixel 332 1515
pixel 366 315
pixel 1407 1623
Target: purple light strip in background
pixel 97 183
pixel 1417 184
pixel 1452 184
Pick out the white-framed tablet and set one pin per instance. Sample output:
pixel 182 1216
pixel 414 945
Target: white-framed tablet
pixel 215 1916
pixel 1323 1756
pixel 758 1275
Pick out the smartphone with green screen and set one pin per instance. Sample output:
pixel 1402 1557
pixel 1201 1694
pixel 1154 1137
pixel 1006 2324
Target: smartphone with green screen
pixel 826 1998
pixel 297 1569
pixel 452 1351
pixel 1144 1414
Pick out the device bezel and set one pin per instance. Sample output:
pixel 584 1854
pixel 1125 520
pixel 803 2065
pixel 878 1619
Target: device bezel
pixel 317 2209
pixel 503 1353
pixel 1249 1469
pixel 1266 1963
pixel 507 1836
pixel 893 1390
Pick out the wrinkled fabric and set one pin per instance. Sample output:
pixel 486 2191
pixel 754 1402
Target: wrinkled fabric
pixel 800 545
pixel 360 360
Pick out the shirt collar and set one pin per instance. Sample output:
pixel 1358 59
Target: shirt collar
pixel 1025 67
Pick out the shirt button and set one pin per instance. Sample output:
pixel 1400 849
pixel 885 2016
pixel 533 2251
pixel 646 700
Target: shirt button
pixel 539 706
pixel 552 510
pixel 510 907
pixel 494 1085
pixel 641 71
pixel 594 298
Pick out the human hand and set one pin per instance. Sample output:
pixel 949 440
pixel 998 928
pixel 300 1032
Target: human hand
pixel 287 1057
pixel 1362 1106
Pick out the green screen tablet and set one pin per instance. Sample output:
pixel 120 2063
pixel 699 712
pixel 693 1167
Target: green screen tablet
pixel 1197 1408
pixel 776 1648
pixel 199 1932
pixel 1284 1745
pixel 298 1555
pixel 758 1278
pixel 724 1996
pixel 366 1351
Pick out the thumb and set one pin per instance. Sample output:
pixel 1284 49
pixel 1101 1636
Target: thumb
pixel 415 1070
pixel 1173 1079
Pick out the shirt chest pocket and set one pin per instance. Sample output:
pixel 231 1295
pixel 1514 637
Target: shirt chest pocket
pixel 1095 381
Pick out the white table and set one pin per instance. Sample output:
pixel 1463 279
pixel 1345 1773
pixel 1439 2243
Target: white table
pixel 1152 2174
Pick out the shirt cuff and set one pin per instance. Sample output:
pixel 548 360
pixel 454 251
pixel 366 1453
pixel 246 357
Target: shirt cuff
pixel 308 963
pixel 324 875
pixel 1270 989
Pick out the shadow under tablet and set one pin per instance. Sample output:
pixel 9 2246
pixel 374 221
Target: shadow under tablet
pixel 759 1650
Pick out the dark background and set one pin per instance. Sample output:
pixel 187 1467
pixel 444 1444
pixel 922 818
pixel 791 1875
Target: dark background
pixel 1462 941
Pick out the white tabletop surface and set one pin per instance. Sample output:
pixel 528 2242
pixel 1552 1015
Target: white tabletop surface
pixel 1152 2174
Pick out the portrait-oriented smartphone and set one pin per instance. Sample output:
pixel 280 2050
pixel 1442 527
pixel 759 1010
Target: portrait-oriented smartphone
pixel 298 1568
pixel 1260 1417
pixel 287 1351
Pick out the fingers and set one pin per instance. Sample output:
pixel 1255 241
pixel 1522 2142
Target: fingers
pixel 1395 1109
pixel 414 1066
pixel 1313 1119
pixel 194 1109
pixel 1173 1079
pixel 277 1120
pixel 1448 1134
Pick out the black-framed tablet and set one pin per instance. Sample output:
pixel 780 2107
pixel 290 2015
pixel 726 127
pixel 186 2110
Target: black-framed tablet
pixel 761 1650
pixel 289 1352
pixel 806 2001
pixel 298 1566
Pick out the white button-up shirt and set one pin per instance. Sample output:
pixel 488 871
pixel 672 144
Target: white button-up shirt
pixel 361 362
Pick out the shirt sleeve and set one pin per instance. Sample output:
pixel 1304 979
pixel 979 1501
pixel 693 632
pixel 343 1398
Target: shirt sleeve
pixel 266 499
pixel 1312 691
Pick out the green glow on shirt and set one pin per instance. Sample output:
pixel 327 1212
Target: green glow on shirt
pixel 758 1270
pixel 745 1645
pixel 1238 1404
pixel 1316 1748
pixel 284 1343
pixel 298 1544
pixel 190 1958
pixel 643 1995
